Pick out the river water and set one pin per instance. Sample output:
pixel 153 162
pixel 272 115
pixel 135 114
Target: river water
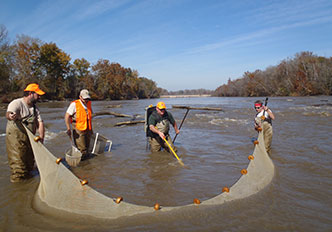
pixel 214 146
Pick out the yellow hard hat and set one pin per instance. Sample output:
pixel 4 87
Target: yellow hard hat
pixel 161 105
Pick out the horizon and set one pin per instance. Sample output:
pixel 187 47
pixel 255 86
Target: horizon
pixel 179 44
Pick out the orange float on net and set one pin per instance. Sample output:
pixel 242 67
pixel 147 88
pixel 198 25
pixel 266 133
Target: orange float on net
pixel 256 142
pixel 84 182
pixel 259 128
pixel 118 200
pixel 244 171
pixel 250 157
pixel 197 201
pixel 37 139
pixel 225 189
pixel 58 160
pixel 156 206
pixel 263 117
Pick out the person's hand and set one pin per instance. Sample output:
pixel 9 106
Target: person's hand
pixel 13 116
pixel 177 131
pixel 161 134
pixel 68 132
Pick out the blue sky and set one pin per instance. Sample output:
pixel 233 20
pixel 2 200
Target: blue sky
pixel 180 44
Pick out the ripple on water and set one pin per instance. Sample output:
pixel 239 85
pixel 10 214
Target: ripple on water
pixel 215 147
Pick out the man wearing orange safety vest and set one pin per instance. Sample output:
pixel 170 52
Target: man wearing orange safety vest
pixel 79 115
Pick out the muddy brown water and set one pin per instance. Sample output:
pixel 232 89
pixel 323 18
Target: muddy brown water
pixel 214 146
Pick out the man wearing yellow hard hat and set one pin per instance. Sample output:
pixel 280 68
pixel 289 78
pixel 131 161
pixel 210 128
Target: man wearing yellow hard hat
pixel 159 123
pixel 23 111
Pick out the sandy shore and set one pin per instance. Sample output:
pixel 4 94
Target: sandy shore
pixel 178 96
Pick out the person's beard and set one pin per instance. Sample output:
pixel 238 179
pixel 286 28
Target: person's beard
pixel 34 101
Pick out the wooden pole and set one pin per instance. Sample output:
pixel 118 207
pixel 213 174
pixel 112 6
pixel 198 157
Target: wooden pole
pixel 197 108
pixel 129 123
pixel 111 113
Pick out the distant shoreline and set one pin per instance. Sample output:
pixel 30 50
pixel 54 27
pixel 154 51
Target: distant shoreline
pixel 182 96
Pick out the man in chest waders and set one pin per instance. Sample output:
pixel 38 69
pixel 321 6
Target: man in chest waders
pixel 159 123
pixel 79 115
pixel 23 111
pixel 263 119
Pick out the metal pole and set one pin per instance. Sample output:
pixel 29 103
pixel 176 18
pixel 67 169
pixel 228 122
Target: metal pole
pixel 181 123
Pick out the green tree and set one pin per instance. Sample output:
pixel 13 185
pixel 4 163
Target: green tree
pixel 79 78
pixel 27 54
pixel 148 88
pixel 55 66
pixel 6 62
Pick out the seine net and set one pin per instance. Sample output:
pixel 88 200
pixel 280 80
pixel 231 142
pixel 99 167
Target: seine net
pixel 60 189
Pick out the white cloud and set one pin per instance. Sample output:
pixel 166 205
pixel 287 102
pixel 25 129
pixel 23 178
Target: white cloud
pixel 257 34
pixel 91 9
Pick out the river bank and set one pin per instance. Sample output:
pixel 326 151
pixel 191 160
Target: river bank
pixel 185 96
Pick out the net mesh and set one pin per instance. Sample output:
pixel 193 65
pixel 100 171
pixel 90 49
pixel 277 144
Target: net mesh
pixel 61 190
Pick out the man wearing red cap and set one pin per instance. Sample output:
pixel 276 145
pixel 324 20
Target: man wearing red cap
pixel 23 111
pixel 263 119
pixel 159 123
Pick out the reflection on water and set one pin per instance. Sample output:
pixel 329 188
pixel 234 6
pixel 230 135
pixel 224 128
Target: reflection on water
pixel 214 146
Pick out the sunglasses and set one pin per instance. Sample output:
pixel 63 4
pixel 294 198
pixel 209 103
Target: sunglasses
pixel 257 107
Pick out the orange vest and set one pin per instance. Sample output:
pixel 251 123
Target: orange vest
pixel 83 118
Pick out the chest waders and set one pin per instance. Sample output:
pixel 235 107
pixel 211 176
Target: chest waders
pixel 82 136
pixel 163 126
pixel 266 124
pixel 20 155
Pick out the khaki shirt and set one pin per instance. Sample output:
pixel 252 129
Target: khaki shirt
pixel 22 110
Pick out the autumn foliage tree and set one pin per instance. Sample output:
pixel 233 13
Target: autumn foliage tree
pixel 26 66
pixel 112 81
pixel 31 60
pixel 305 74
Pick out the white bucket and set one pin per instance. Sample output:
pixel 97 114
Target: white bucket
pixel 73 156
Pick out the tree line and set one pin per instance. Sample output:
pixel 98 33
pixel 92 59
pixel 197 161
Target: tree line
pixel 30 60
pixel 305 74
